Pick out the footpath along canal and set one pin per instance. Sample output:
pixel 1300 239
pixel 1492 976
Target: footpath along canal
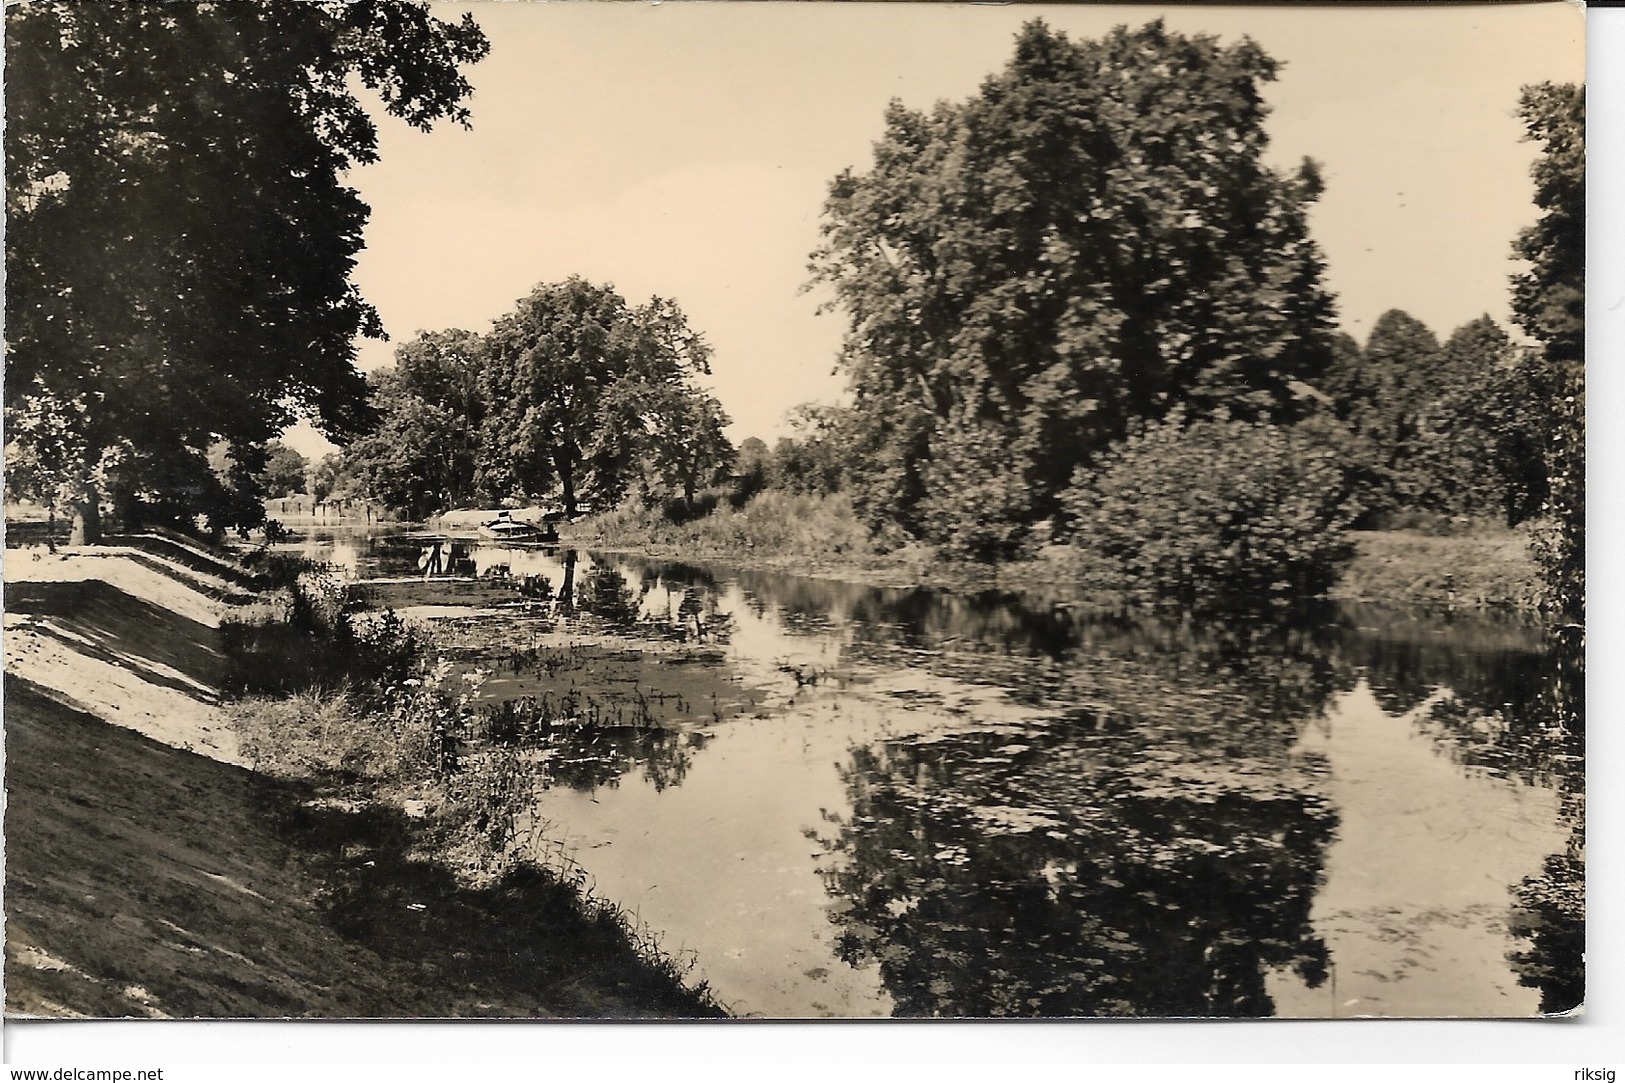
pixel 850 800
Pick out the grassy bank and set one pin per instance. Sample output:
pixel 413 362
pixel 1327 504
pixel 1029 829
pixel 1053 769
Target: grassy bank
pixel 1491 570
pixel 338 856
pixel 821 536
pixel 773 526
pixel 806 535
pixel 391 741
pixel 143 880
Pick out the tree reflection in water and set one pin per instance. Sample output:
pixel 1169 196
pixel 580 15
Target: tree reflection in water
pixel 594 714
pixel 584 743
pixel 1148 843
pixel 1156 851
pixel 1549 908
pixel 1516 709
pixel 606 594
pixel 586 758
pixel 1152 851
pixel 1063 877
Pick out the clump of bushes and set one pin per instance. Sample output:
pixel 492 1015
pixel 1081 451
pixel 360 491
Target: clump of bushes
pixel 409 742
pixel 1215 513
pixel 372 711
pixel 977 503
pixel 304 634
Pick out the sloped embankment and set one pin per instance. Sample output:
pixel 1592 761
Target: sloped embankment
pixel 122 642
pixel 149 872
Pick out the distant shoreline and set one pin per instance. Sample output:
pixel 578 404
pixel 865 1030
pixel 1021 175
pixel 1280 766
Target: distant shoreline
pixel 1392 568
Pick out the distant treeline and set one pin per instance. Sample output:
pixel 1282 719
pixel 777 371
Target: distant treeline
pixel 1426 435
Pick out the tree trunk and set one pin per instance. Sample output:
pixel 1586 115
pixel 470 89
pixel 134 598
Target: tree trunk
pixel 128 510
pixel 567 589
pixel 87 520
pixel 561 462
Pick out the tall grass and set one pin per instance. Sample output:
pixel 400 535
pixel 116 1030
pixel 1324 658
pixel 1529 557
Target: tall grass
pixel 305 634
pixel 1487 570
pixel 410 744
pixel 773 523
pixel 373 718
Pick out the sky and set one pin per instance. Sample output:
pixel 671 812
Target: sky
pixel 684 149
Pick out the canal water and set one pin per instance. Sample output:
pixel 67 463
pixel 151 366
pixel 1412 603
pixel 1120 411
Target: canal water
pixel 916 802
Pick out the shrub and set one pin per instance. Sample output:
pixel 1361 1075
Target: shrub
pixel 305 635
pixel 977 504
pixel 1216 513
pixel 408 741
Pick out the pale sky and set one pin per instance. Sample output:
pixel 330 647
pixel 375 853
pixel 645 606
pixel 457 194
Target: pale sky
pixel 684 149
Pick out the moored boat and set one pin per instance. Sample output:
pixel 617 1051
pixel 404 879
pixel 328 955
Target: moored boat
pixel 508 529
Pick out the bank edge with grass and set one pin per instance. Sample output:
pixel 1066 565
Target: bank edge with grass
pixel 1474 566
pixel 365 860
pixel 364 708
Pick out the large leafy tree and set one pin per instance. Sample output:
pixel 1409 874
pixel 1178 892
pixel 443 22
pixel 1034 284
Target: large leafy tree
pixel 571 378
pixel 1091 238
pixel 424 455
pixel 815 458
pixel 687 445
pixel 1548 302
pixel 285 470
pixel 1381 392
pixel 179 236
pixel 329 477
pixel 1469 456
pixel 1434 428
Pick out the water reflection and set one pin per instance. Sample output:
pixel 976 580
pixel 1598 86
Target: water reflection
pixel 1549 906
pixel 1068 877
pixel 1022 806
pixel 1163 849
pixel 573 747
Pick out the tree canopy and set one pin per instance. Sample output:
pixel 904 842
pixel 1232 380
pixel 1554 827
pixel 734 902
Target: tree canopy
pixel 1548 302
pixel 284 473
pixel 424 454
pixel 575 394
pixel 1091 238
pixel 1433 429
pixel 179 236
pixel 576 381
pixel 1380 392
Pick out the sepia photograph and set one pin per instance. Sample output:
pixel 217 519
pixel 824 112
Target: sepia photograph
pixel 731 510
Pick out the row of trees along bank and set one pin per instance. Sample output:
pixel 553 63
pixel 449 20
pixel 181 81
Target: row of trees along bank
pixel 1085 273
